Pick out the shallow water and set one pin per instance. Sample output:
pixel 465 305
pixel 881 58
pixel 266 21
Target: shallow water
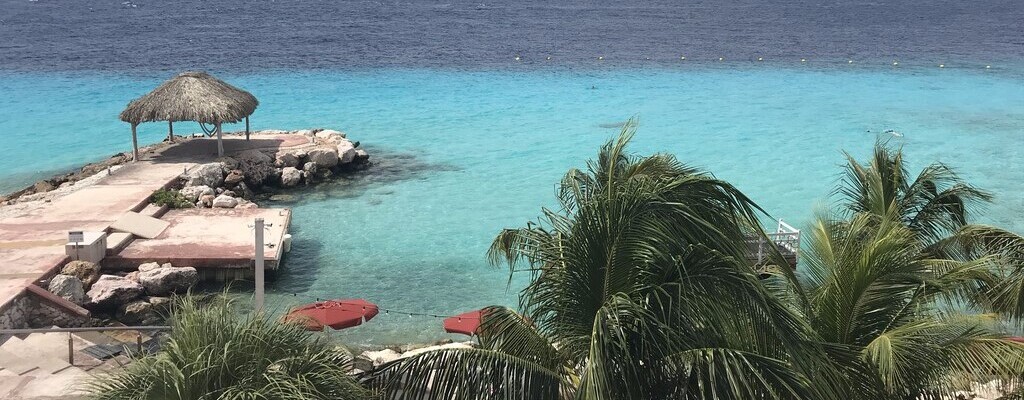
pixel 460 155
pixel 467 140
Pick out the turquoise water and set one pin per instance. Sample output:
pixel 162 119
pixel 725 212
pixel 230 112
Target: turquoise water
pixel 463 154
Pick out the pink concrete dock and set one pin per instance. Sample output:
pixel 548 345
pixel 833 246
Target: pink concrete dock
pixel 32 239
pixel 209 239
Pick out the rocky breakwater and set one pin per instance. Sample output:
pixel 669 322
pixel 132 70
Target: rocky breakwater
pixel 141 297
pixel 231 182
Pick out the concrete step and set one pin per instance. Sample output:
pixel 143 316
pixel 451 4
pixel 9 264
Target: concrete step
pixel 36 355
pixel 15 364
pixel 55 345
pixel 117 241
pixel 64 385
pixel 154 210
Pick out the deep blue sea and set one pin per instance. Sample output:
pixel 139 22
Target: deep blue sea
pixel 466 139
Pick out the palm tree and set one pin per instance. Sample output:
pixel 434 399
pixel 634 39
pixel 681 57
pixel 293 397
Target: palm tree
pixel 935 205
pixel 214 354
pixel 872 293
pixel 640 288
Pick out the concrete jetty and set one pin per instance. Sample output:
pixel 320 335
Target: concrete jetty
pixel 33 234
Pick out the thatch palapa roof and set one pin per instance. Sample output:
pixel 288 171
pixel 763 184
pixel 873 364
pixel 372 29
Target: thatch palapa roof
pixel 191 96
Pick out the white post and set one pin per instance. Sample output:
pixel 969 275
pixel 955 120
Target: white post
pixel 259 263
pixel 220 144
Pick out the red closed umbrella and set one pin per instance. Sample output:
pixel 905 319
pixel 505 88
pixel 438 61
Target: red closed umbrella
pixel 466 323
pixel 337 314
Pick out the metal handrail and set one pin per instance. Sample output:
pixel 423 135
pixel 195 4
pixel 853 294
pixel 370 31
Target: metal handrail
pixel 86 329
pixel 71 341
pixel 785 236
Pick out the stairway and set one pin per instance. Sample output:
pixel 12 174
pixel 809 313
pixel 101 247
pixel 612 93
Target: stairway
pixel 36 367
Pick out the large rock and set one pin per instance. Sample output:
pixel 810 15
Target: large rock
pixel 381 357
pixel 192 193
pixel 152 265
pixel 111 290
pixel 362 155
pixel 85 271
pixel 69 288
pixel 256 166
pixel 230 163
pixel 138 312
pixel 330 135
pixel 42 186
pixel 205 200
pixel 286 159
pixel 346 152
pixel 166 280
pixel 448 346
pixel 290 176
pixel 211 175
pixel 234 177
pixel 324 158
pixel 310 168
pixel 225 201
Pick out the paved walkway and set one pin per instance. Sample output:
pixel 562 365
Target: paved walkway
pixel 32 244
pixel 32 241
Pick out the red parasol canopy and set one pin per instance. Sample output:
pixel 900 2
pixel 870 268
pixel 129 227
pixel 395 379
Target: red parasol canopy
pixel 337 314
pixel 465 323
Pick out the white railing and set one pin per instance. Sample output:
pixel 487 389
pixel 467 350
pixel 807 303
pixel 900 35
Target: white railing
pixel 786 239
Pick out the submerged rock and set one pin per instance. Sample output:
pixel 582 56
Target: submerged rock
pixel 69 288
pixel 211 174
pixel 282 197
pixel 85 271
pixel 138 312
pixel 112 290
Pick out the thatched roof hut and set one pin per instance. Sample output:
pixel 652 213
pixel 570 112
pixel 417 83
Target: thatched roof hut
pixel 191 96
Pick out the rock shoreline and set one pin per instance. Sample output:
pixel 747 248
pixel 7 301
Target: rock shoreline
pixel 234 181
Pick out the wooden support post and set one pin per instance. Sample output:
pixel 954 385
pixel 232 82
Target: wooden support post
pixel 246 127
pixel 220 142
pixel 71 350
pixel 138 341
pixel 170 131
pixel 135 145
